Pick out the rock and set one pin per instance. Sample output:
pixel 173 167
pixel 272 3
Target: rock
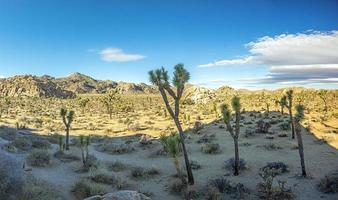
pixel 120 195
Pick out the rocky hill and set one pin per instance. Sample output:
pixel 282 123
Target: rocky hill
pixel 66 87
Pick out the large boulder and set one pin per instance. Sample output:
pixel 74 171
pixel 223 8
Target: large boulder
pixel 120 195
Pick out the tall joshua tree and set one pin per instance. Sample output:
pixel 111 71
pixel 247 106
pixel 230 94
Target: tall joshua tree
pixel 282 103
pixel 109 101
pixel 323 96
pixel 236 105
pixel 298 118
pixel 67 118
pixel 289 97
pixel 160 78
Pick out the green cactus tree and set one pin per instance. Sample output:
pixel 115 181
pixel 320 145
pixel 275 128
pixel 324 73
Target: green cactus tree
pixel 172 145
pixel 299 116
pixel 236 106
pixel 110 101
pixel 289 97
pixel 67 118
pixel 84 143
pixel 282 102
pixel 160 78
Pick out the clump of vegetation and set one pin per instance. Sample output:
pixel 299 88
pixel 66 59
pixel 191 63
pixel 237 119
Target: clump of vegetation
pixel 107 178
pixel 263 126
pixel 41 144
pixel 67 119
pixel 210 148
pixel 329 184
pixel 117 166
pixel 236 105
pixel 267 191
pixel 140 172
pixel 110 101
pixel 285 126
pixel 22 143
pixel 195 165
pixel 177 186
pixel 278 167
pixel 230 164
pixel 85 188
pixel 36 189
pixel 206 138
pixel 39 158
pixel 115 148
pixel 160 78
pixel 222 185
pixel 272 147
pixel 66 157
pixel 11 176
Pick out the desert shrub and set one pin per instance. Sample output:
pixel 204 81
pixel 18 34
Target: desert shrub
pixel 269 137
pixel 66 157
pixel 85 188
pixel 197 127
pixel 140 172
pixel 117 166
pixel 329 184
pixel 249 132
pixel 41 144
pixel 230 164
pixel 263 126
pixel 279 167
pixel 39 158
pixel 285 126
pixel 10 148
pixel 36 189
pixel 267 191
pixel 195 165
pixel 177 186
pixel 222 185
pixel 11 176
pixel 115 148
pixel 206 138
pixel 22 143
pixel 272 147
pixel 108 178
pixel 210 148
pixel 282 135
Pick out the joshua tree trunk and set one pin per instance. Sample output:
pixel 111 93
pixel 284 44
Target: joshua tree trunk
pixel 292 123
pixel 301 148
pixel 67 138
pixel 236 157
pixel 186 158
pixel 282 110
pixel 178 169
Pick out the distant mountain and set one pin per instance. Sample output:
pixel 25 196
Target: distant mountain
pixel 66 87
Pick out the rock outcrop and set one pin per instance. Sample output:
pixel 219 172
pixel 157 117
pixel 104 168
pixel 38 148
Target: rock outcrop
pixel 120 195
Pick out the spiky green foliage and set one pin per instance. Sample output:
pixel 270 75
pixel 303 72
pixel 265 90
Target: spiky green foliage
pixel 299 116
pixel 226 113
pixel 159 77
pixel 235 103
pixel 173 145
pixel 181 76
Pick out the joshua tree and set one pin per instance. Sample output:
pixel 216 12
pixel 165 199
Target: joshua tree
pixel 172 145
pixel 263 99
pixel 109 101
pixel 282 103
pixel 289 97
pixel 323 96
pixel 83 103
pixel 160 78
pixel 298 118
pixel 84 143
pixel 67 118
pixel 236 105
pixel 215 109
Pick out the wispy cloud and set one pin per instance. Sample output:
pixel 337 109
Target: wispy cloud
pixel 292 58
pixel 118 55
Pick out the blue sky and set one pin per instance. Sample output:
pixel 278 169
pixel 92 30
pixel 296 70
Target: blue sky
pixel 123 40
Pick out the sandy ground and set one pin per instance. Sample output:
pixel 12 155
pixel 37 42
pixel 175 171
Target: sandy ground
pixel 320 159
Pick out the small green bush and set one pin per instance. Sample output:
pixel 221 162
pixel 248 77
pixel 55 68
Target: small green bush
pixel 210 148
pixel 39 158
pixel 85 188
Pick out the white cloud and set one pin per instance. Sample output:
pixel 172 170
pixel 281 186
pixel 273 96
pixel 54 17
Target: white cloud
pixel 292 58
pixel 117 55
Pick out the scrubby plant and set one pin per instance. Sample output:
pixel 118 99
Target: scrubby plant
pixel 140 172
pixel 40 143
pixel 329 184
pixel 222 185
pixel 117 166
pixel 67 119
pixel 298 118
pixel 263 126
pixel 39 158
pixel 210 148
pixel 323 95
pixel 231 164
pixel 279 167
pixel 160 78
pixel 36 189
pixel 282 102
pixel 289 97
pixel 115 148
pixel 84 143
pixel 236 105
pixel 11 176
pixel 85 188
pixel 267 191
pixel 22 143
